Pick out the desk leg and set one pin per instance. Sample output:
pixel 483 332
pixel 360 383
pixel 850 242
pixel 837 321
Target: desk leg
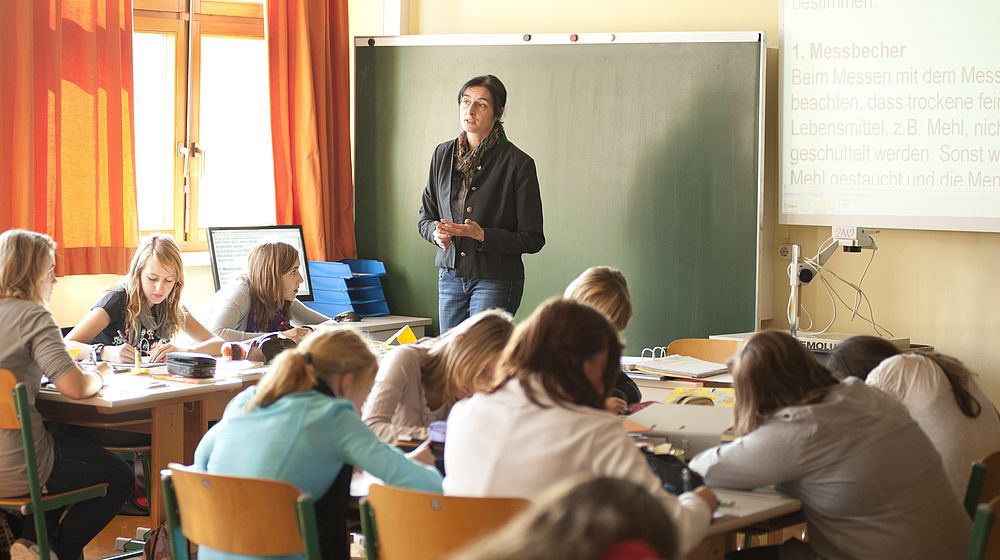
pixel 168 447
pixel 197 419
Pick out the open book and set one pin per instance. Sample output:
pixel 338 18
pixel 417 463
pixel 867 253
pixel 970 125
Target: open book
pixel 681 366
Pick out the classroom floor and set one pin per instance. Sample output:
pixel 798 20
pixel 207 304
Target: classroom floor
pixel 103 544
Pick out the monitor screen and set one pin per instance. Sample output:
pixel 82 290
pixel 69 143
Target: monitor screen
pixel 229 248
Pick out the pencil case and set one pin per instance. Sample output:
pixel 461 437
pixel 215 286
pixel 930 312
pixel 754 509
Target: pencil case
pixel 191 364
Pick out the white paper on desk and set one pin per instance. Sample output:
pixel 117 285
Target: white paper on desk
pixel 743 503
pixel 124 385
pixel 145 362
pixel 683 365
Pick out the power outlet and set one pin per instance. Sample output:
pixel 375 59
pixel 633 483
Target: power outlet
pixel 785 251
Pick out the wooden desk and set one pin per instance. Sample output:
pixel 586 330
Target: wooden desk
pixel 748 509
pixel 126 397
pixel 379 329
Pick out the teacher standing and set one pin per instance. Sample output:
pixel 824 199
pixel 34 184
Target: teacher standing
pixel 482 208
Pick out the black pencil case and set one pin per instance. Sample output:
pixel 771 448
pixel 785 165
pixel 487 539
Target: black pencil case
pixel 191 364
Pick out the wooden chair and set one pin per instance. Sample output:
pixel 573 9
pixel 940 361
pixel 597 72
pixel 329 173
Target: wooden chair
pixel 14 408
pixel 984 482
pixel 708 349
pixel 985 541
pixel 238 515
pixel 407 524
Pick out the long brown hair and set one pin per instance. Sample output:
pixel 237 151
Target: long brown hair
pixel 165 251
pixel 582 519
pixel 24 260
pixel 460 359
pixel 550 347
pixel 267 263
pixel 323 355
pixel 859 355
pixel 773 371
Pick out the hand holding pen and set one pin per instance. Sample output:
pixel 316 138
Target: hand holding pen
pixel 126 352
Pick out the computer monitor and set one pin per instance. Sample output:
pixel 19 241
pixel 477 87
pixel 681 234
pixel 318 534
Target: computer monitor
pixel 229 248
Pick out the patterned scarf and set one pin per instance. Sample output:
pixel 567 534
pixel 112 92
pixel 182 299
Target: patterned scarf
pixel 466 160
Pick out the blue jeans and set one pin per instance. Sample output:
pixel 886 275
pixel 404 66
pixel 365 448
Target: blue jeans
pixel 77 464
pixel 461 298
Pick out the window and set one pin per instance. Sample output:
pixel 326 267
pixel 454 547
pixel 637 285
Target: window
pixel 202 117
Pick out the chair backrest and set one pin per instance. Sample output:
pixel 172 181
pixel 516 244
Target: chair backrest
pixel 238 515
pixel 985 541
pixel 984 482
pixel 8 412
pixel 423 526
pixel 708 349
pixel 13 408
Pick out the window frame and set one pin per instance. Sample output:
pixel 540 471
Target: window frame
pixel 216 18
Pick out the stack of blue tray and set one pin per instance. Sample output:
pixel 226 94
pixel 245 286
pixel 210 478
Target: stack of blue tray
pixel 364 287
pixel 350 285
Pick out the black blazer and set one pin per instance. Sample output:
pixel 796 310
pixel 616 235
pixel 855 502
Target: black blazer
pixel 503 198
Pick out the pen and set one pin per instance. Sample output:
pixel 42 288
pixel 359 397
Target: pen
pixel 122 336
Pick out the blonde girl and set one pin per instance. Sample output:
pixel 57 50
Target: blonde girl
pixel 263 299
pixel 33 347
pixel 144 312
pixel 303 424
pixel 605 289
pixel 417 383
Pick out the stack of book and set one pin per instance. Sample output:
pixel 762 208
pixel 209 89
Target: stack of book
pixel 676 365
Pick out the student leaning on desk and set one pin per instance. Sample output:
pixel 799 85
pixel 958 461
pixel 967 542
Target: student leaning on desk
pixel 870 482
pixel 546 421
pixel 144 311
pixel 417 383
pixel 33 347
pixel 263 300
pixel 606 290
pixel 940 393
pixel 300 425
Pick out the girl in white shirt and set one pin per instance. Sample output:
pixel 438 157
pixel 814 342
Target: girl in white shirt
pixel 547 420
pixel 940 393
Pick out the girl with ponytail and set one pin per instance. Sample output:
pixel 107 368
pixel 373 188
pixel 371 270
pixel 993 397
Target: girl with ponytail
pixel 300 425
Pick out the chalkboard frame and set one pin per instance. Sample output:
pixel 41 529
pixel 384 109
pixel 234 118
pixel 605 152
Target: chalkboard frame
pixel 410 289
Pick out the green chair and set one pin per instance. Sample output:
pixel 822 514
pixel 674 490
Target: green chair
pixel 985 541
pixel 984 482
pixel 14 408
pixel 237 515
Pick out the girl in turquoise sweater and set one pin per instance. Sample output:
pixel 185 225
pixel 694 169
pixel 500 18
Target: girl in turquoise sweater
pixel 301 425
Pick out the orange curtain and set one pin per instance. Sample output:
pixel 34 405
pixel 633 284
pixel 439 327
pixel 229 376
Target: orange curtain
pixel 307 42
pixel 67 162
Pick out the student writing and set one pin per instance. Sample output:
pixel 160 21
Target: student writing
pixel 300 425
pixel 605 289
pixel 547 420
pixel 417 383
pixel 939 391
pixel 146 308
pixel 870 482
pixel 33 347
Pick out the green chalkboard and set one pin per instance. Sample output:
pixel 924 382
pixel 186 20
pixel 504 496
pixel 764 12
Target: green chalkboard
pixel 648 150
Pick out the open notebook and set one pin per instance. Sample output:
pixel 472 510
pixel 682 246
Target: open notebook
pixel 684 366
